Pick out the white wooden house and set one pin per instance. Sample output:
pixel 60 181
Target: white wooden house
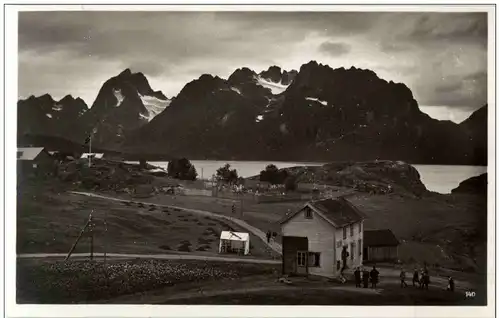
pixel 314 236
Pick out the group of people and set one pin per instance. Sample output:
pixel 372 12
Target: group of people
pixel 421 279
pixel 365 276
pixel 270 235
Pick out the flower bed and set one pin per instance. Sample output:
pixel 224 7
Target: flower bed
pixel 85 281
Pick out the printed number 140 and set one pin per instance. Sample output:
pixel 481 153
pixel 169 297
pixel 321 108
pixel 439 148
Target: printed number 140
pixel 470 294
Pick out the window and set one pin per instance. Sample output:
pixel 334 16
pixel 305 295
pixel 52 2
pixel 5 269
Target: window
pixel 353 246
pixel 360 246
pixel 351 229
pixel 339 244
pixel 359 225
pixel 308 213
pixel 313 260
pixel 19 154
pixel 301 259
pixel 345 232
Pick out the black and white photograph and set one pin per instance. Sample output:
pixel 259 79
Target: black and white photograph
pixel 252 155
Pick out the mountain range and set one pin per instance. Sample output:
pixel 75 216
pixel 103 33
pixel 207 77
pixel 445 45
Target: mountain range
pixel 314 114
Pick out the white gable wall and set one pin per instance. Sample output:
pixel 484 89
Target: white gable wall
pixel 321 239
pixel 339 236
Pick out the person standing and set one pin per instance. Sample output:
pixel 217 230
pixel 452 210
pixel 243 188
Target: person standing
pixel 366 277
pixel 357 277
pixel 374 277
pixel 345 255
pixel 268 236
pixel 426 279
pixel 415 277
pixel 402 276
pixel 451 284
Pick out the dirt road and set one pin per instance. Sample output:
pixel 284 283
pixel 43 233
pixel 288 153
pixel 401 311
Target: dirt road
pixel 154 256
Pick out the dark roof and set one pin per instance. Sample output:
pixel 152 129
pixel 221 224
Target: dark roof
pixel 379 238
pixel 339 211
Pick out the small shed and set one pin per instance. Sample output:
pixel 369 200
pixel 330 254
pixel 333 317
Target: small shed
pixel 234 242
pixel 380 245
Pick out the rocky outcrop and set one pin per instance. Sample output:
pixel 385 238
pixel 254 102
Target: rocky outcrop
pixel 474 185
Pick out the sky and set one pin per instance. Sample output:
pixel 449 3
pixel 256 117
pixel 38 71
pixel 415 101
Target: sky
pixel 441 57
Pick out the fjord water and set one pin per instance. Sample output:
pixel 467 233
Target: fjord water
pixel 437 178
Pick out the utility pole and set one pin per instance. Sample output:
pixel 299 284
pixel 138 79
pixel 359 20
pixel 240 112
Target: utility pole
pixel 79 236
pixel 91 225
pixel 105 236
pixel 241 205
pixel 90 149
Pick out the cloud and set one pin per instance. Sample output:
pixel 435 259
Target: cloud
pixel 334 49
pixel 458 27
pixel 440 56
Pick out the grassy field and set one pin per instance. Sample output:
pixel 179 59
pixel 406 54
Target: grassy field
pixel 441 230
pixel 50 221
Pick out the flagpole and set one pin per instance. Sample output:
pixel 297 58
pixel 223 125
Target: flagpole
pixel 90 149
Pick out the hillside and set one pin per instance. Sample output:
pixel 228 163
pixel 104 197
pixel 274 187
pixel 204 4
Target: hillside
pixel 473 185
pixel 374 177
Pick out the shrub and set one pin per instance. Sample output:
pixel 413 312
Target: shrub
pixel 181 169
pixel 225 173
pixel 273 175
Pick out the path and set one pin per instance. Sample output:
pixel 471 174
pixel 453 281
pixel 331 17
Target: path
pixel 275 246
pixel 154 256
pixel 211 293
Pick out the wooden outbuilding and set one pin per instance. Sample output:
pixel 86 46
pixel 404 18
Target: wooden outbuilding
pixel 380 246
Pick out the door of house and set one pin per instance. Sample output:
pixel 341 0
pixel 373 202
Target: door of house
pixel 293 249
pixel 365 253
pixel 301 262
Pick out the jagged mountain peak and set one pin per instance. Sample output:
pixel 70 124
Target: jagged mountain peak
pixel 125 73
pixel 46 98
pixel 242 75
pixel 66 98
pixel 206 83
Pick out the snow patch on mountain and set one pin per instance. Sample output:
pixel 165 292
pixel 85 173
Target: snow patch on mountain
pixel 224 119
pixel 322 102
pixel 276 88
pixel 236 90
pixel 259 118
pixel 119 96
pixel 57 107
pixel 48 115
pixel 153 105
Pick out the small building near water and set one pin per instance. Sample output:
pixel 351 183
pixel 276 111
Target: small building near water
pixel 380 246
pixel 92 155
pixel 234 242
pixel 314 237
pixel 32 160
